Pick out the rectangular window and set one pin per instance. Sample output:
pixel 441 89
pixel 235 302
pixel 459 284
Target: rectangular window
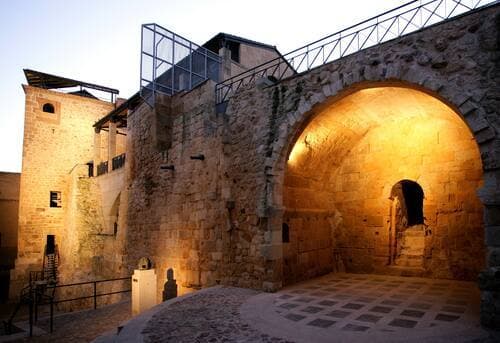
pixel 55 199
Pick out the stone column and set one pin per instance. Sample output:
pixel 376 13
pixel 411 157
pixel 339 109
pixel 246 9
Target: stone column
pixel 272 250
pixel 489 279
pixel 97 149
pixel 111 144
pixel 225 67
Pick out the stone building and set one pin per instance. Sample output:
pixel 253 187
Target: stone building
pixel 9 204
pixel 383 161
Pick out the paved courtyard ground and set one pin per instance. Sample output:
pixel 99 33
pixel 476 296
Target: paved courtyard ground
pixel 369 308
pixel 332 308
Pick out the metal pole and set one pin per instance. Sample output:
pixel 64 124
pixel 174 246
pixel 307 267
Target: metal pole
pixel 95 295
pixel 140 67
pixel 154 66
pixel 31 315
pixel 190 65
pixel 51 314
pixel 173 64
pixel 36 303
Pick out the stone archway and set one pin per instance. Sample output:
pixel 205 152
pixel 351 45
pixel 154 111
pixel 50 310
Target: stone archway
pixel 340 172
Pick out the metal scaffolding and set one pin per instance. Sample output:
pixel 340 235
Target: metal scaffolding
pixel 171 63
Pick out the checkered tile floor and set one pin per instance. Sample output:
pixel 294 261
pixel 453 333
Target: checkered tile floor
pixel 363 303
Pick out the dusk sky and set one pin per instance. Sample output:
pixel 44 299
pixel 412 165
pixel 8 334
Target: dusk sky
pixel 99 41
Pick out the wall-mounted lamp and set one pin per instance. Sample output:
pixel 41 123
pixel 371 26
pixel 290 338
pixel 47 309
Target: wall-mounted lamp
pixel 167 166
pixel 200 157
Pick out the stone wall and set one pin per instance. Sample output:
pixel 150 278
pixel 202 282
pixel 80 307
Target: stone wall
pixel 9 204
pixel 92 249
pixel 176 217
pixel 251 56
pixel 353 153
pixel 221 218
pixel 9 207
pixel 455 62
pixel 207 193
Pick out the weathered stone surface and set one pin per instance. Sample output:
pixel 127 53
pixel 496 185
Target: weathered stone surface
pixel 489 283
pixel 250 168
pixel 218 219
pixel 209 317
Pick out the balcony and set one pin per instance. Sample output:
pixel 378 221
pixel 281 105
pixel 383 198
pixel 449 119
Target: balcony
pixel 118 161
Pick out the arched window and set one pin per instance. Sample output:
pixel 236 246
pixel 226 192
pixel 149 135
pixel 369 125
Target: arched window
pixel 413 197
pixel 48 108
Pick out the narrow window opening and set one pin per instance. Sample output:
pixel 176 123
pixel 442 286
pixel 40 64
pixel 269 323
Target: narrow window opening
pixel 55 199
pixel 50 245
pixel 48 108
pixel 285 231
pixel 91 168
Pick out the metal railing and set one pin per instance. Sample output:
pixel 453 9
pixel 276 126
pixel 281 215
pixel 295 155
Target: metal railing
pixel 410 17
pixel 52 300
pixel 41 292
pixel 102 168
pixel 118 161
pixel 171 63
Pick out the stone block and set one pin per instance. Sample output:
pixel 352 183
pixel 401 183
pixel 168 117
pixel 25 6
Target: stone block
pixel 492 215
pixel 493 256
pixel 492 236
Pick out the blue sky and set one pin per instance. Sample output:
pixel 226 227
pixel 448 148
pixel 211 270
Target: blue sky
pixel 98 41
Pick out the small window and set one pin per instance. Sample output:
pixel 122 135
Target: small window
pixel 235 51
pixel 285 232
pixel 55 199
pixel 48 108
pixel 90 166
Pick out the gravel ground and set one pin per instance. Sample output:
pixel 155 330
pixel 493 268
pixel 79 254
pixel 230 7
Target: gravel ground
pixel 210 317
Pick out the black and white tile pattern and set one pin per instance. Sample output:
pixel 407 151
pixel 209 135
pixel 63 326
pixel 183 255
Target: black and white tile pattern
pixel 364 303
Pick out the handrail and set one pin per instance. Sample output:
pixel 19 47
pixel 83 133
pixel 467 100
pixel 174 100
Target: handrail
pixel 95 295
pixel 389 25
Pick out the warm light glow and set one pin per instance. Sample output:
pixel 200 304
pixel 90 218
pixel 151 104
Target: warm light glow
pixel 337 130
pixel 342 169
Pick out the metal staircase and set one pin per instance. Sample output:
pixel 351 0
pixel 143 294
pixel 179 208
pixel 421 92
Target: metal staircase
pixel 40 288
pixel 50 264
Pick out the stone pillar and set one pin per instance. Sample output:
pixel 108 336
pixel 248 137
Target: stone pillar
pixel 111 144
pixel 272 250
pixel 489 279
pixel 143 290
pixel 97 149
pixel 225 67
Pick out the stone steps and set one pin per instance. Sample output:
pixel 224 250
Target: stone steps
pixel 405 271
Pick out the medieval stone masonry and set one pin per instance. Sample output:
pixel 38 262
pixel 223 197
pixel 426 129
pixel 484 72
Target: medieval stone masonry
pixel 385 161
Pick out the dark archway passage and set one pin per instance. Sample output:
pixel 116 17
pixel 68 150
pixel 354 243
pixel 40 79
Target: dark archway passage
pixel 339 181
pixel 407 229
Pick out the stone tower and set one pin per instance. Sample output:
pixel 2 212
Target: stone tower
pixel 58 139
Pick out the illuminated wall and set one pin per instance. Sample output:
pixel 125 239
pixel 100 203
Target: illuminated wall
pixel 341 172
pixel 56 147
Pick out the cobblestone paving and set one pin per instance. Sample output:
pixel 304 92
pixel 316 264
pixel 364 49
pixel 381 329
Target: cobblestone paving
pixel 82 326
pixel 209 317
